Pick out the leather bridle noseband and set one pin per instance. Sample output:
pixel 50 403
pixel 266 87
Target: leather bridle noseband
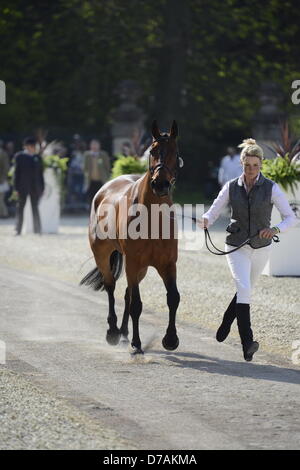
pixel 161 164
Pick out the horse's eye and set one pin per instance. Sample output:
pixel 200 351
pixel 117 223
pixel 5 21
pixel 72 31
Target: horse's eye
pixel 180 162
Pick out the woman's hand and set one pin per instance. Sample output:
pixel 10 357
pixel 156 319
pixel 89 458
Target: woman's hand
pixel 203 223
pixel 267 233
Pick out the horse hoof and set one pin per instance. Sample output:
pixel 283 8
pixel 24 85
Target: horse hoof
pixel 124 340
pixel 113 337
pixel 135 351
pixel 170 345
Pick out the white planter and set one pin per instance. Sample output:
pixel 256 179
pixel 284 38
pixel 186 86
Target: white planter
pixel 285 255
pixel 49 206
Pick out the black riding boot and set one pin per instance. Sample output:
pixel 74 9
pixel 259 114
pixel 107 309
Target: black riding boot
pixel 246 334
pixel 227 321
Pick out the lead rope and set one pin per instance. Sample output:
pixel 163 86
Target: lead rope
pixel 275 238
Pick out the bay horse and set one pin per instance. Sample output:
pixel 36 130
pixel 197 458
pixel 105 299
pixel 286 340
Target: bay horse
pixel 154 187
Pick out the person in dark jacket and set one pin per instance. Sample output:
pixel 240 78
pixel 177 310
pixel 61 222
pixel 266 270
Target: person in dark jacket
pixel 28 181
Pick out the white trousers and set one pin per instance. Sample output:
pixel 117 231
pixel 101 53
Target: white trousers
pixel 246 264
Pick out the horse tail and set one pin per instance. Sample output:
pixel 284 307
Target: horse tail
pixel 116 264
pixel 95 278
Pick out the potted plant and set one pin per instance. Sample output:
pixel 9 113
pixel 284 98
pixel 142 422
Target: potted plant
pixel 59 168
pixel 284 169
pixel 125 165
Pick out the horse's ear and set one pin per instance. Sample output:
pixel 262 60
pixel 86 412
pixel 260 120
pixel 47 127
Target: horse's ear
pixel 174 130
pixel 155 130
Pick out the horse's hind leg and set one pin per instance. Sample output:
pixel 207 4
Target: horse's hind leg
pixel 170 340
pixel 102 257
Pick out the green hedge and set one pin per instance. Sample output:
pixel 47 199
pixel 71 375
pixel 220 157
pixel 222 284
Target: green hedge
pixel 127 165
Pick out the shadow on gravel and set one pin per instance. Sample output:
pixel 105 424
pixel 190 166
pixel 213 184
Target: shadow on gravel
pixel 214 365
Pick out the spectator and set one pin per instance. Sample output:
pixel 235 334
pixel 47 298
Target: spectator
pixel 10 204
pixel 10 150
pixel 28 181
pixel 75 178
pixel 97 168
pixel 135 141
pixel 126 150
pixel 230 166
pixel 4 186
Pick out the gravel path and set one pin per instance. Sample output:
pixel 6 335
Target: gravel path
pixel 32 418
pixel 204 281
pixel 201 396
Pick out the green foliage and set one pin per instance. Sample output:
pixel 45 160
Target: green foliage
pixel 127 165
pixel 60 166
pixel 198 61
pixel 188 196
pixel 282 171
pixel 11 174
pixel 54 161
pixel 121 155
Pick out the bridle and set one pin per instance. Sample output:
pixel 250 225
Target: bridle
pixel 161 164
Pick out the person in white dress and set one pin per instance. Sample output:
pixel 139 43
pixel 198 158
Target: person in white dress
pixel 251 197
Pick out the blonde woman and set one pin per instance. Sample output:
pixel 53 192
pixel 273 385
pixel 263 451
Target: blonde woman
pixel 251 197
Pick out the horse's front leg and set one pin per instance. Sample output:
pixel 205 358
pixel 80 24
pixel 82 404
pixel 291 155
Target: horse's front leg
pixel 170 340
pixel 124 326
pixel 135 310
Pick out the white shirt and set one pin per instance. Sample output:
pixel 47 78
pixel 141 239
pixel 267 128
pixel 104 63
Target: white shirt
pixel 278 198
pixel 230 168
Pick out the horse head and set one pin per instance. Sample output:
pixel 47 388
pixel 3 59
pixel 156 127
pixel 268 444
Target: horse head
pixel 164 160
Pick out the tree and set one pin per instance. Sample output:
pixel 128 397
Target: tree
pixel 200 62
